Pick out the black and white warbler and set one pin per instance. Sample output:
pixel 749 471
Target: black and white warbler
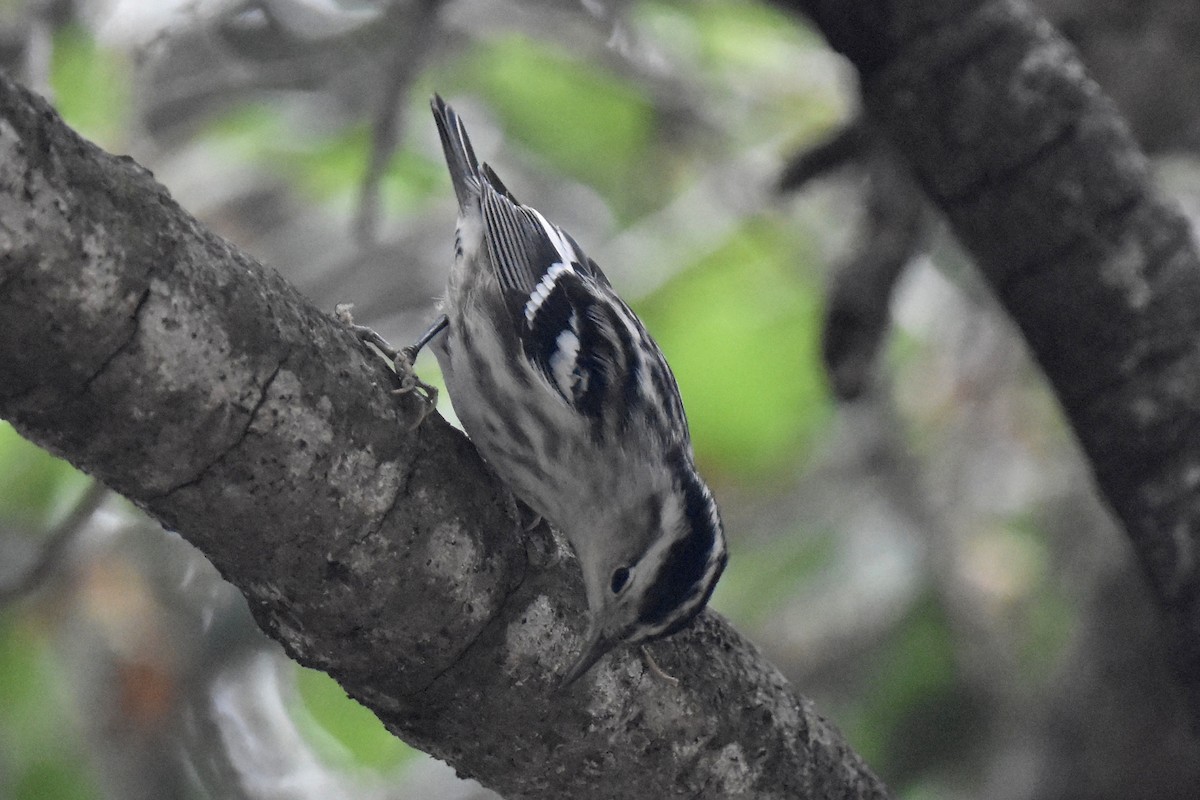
pixel 572 403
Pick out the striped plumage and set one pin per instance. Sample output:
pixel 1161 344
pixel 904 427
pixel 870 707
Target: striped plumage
pixel 571 401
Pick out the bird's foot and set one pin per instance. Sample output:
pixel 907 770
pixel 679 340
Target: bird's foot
pixel 400 360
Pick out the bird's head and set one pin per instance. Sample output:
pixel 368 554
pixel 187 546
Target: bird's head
pixel 643 587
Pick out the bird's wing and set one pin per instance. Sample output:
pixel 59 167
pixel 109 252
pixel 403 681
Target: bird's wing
pixel 574 329
pixel 579 344
pixel 596 354
pixel 523 244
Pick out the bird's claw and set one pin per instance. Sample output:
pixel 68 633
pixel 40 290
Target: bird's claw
pixel 410 383
pixel 401 361
pixel 654 669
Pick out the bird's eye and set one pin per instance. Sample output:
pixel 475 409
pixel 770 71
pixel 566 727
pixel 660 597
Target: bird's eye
pixel 620 577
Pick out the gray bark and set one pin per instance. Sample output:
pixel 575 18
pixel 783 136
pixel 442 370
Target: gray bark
pixel 1042 181
pixel 160 359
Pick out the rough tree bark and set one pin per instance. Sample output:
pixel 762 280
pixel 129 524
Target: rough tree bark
pixel 1042 181
pixel 157 357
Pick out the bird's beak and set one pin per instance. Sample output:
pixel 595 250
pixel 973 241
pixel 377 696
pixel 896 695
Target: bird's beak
pixel 597 645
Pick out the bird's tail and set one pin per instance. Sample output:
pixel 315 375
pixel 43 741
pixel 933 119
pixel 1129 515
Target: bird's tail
pixel 460 156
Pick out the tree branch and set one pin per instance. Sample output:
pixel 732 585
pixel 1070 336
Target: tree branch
pixel 1044 184
pixel 159 358
pixel 858 303
pixel 413 30
pixel 55 545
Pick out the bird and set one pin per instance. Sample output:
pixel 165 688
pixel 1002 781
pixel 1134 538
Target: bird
pixel 572 403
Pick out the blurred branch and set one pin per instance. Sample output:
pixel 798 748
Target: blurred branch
pixel 159 358
pixel 1042 181
pixel 414 28
pixel 39 45
pixel 847 144
pixel 857 309
pixel 55 544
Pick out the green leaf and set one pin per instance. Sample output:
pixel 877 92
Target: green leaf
pixel 91 86
pixel 54 779
pixel 743 35
pixel 37 486
pixel 770 73
pixel 585 122
pixel 42 760
pixel 327 166
pixel 762 577
pixel 355 733
pixel 918 712
pixel 740 330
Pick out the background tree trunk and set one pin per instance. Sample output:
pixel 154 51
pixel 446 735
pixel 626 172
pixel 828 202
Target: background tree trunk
pixel 1043 183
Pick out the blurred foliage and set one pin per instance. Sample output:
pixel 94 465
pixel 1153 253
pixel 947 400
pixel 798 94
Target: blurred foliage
pixel 763 577
pixel 750 52
pixel 740 328
pixel 40 752
pixel 37 487
pixel 39 756
pixel 346 733
pixel 583 121
pixel 327 166
pixel 91 86
pixel 1037 604
pixel 917 712
pixel 748 39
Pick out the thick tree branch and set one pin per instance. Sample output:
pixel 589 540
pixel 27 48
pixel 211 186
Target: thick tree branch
pixel 1041 179
pixel 162 360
